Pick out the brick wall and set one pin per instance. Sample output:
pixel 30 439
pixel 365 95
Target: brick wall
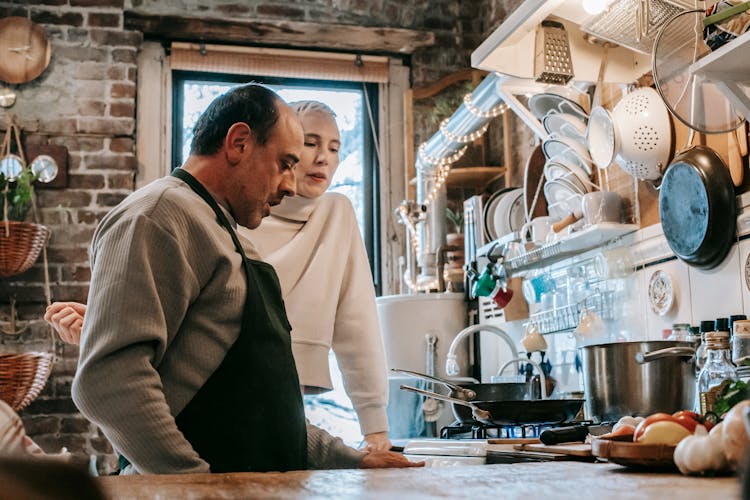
pixel 85 101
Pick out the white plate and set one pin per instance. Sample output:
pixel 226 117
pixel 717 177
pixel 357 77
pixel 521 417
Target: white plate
pixel 559 168
pixel 544 104
pixel 660 293
pixel 489 213
pixel 566 148
pixel 509 215
pixel 565 125
pixel 601 137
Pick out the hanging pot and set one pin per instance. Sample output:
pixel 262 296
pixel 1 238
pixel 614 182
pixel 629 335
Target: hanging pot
pixel 697 207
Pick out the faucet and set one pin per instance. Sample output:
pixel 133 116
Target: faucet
pixel 451 363
pixel 542 376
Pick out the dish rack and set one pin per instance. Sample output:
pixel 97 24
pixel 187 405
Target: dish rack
pixel 575 244
pixel 566 317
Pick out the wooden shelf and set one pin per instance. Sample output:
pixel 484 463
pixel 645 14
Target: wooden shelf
pixel 473 177
pixel 470 177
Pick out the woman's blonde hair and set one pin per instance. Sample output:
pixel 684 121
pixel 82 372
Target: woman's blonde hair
pixel 301 107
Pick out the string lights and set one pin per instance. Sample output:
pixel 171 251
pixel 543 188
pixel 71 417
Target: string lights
pixel 490 113
pixel 471 137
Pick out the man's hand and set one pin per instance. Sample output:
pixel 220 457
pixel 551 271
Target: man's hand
pixel 377 441
pixel 67 320
pixel 386 460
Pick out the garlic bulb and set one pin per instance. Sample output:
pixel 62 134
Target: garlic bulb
pixel 701 452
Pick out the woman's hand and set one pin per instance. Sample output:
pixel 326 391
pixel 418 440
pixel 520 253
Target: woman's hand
pixel 67 320
pixel 377 441
pixel 386 460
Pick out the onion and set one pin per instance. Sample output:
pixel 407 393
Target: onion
pixel 734 434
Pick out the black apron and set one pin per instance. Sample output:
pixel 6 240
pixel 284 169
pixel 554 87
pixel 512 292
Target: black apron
pixel 249 415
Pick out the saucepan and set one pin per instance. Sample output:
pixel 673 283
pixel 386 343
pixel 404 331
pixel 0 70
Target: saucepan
pixel 637 378
pixel 480 392
pixel 509 412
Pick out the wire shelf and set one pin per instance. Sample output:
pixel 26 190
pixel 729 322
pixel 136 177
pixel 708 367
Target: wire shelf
pixel 565 318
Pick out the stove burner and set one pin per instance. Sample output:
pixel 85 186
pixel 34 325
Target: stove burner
pixel 458 430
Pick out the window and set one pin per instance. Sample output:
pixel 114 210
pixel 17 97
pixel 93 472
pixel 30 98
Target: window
pixel 356 176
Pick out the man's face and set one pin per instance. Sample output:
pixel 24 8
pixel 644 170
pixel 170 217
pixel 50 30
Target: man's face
pixel 320 156
pixel 266 172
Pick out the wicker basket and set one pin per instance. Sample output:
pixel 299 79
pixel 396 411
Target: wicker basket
pixel 20 249
pixel 22 377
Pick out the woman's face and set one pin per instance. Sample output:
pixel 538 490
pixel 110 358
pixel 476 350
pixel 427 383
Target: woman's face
pixel 320 155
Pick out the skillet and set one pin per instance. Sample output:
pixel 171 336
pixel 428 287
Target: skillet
pixel 511 412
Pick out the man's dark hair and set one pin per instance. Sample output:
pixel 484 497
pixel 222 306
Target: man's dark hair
pixel 252 103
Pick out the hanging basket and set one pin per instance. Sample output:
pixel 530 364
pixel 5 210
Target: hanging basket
pixel 22 377
pixel 20 246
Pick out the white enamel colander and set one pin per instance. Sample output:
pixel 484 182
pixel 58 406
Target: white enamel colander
pixel 644 133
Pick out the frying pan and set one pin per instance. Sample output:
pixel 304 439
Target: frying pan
pixel 481 392
pixel 697 207
pixel 510 412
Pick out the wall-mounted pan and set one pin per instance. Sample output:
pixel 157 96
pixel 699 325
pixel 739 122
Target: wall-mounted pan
pixel 697 207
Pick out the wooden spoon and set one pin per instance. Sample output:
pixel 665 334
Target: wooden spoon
pixel 735 158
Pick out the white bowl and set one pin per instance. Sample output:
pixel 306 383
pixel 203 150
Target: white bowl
pixel 566 125
pixel 601 137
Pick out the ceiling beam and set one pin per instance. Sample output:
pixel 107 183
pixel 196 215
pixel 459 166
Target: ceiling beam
pixel 279 33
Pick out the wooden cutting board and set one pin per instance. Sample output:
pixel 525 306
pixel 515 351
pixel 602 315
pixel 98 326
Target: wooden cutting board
pixel 575 449
pixel 514 441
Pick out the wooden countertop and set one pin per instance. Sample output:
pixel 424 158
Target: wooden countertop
pixel 481 482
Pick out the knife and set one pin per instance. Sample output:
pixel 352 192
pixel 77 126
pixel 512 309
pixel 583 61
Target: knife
pixel 573 433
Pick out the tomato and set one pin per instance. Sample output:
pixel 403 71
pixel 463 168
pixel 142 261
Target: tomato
pixel 686 413
pixel 656 417
pixel 685 417
pixel 687 422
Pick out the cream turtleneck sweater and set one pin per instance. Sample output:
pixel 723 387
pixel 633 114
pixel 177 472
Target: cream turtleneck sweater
pixel 318 253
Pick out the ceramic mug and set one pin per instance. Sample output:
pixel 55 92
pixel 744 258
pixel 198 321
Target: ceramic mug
pixel 534 287
pixel 601 206
pixel 538 228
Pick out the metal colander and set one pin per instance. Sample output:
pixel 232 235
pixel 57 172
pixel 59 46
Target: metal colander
pixel 634 23
pixel 644 134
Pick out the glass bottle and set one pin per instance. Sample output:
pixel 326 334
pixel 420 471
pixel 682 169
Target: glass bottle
pixel 700 351
pixel 732 319
pixel 717 370
pixel 741 348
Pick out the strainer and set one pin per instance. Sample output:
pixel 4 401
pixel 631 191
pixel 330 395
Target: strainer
pixel 644 131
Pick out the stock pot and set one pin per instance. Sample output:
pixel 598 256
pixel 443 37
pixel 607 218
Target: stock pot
pixel 637 378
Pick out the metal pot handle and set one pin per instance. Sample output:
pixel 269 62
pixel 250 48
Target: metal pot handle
pixel 669 352
pixel 478 413
pixel 462 392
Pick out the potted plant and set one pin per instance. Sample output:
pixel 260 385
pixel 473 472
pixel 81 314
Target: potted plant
pixel 20 241
pixel 455 237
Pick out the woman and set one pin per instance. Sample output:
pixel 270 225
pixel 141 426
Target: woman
pixel 313 242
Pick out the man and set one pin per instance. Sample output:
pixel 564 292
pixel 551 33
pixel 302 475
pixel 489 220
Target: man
pixel 185 360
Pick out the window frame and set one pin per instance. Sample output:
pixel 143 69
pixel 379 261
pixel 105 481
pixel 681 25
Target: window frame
pixel 371 164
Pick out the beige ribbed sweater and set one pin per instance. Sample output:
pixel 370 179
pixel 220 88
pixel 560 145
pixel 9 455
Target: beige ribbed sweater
pixel 165 304
pixel 317 251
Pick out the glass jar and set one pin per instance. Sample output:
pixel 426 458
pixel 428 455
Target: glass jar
pixel 680 331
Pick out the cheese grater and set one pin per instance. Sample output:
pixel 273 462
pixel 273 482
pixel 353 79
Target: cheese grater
pixel 552 63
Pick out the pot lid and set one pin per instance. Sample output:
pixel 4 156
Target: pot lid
pixel 24 50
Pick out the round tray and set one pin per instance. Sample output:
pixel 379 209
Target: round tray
pixel 644 456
